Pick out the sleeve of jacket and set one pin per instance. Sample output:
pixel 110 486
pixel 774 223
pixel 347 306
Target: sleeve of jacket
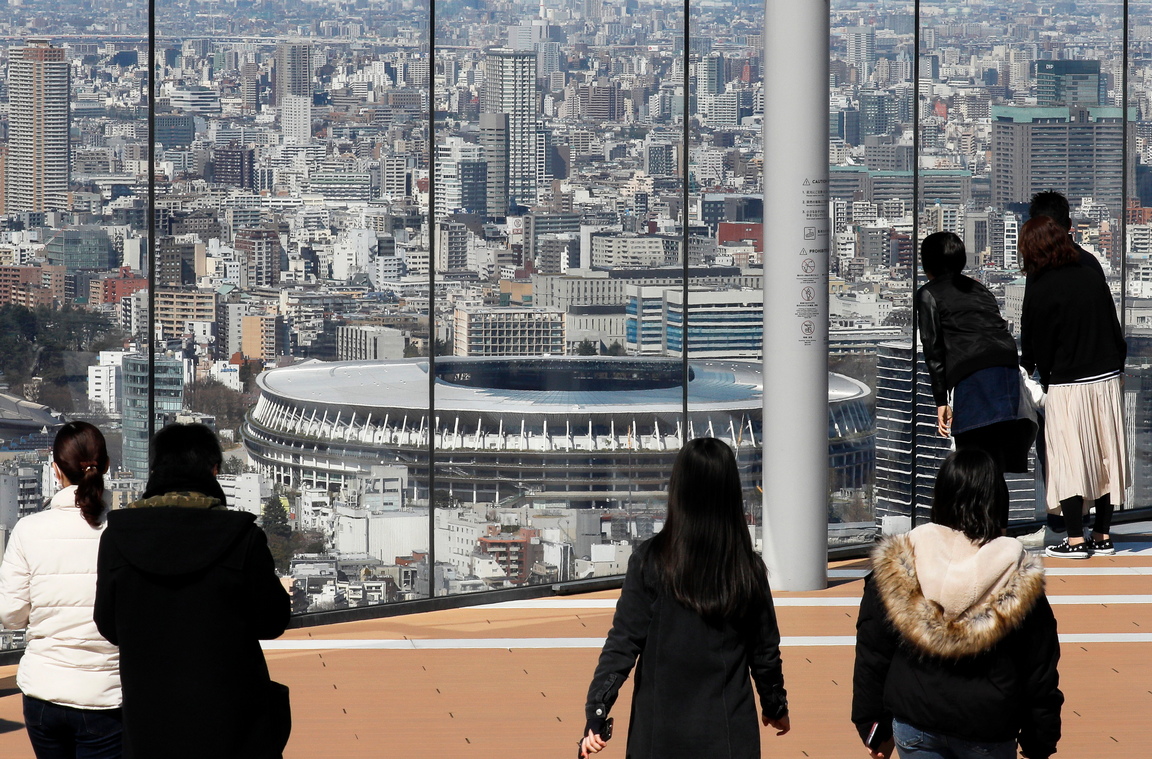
pixel 764 662
pixel 104 608
pixel 15 585
pixel 932 343
pixel 1027 351
pixel 625 642
pixel 1040 653
pixel 876 643
pixel 269 607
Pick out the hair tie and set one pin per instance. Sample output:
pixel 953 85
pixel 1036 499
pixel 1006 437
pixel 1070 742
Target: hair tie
pixel 88 466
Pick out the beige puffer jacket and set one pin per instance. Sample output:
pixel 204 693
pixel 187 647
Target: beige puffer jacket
pixel 48 584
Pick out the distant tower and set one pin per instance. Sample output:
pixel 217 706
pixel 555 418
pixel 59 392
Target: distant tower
pixel 862 50
pixel 510 88
pixel 38 146
pixel 494 140
pixel 296 119
pixel 293 70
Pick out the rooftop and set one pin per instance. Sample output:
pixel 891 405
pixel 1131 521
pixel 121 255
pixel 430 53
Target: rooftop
pixel 509 678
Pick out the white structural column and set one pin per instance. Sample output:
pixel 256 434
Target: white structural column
pixel 795 436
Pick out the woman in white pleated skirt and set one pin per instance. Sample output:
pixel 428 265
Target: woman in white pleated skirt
pixel 1070 334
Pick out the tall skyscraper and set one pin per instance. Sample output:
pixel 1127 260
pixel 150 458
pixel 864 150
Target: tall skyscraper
pixel 494 140
pixel 296 119
pixel 293 70
pixel 510 88
pixel 169 385
pixel 861 42
pixel 38 165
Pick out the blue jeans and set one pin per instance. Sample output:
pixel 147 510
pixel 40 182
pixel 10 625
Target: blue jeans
pixel 914 743
pixel 62 732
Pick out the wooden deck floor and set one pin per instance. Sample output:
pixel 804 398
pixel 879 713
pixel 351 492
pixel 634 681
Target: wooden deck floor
pixel 509 680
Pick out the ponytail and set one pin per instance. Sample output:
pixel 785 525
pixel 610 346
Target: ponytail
pixel 82 456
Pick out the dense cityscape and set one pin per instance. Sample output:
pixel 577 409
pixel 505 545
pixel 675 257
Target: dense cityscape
pixel 296 226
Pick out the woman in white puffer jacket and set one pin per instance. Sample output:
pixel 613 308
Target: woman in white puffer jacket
pixel 69 674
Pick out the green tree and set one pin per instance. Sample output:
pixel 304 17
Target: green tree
pixel 586 348
pixel 615 349
pixel 276 517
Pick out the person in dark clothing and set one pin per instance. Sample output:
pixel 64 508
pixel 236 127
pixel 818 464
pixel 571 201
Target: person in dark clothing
pixel 1070 335
pixel 969 351
pixel 697 612
pixel 956 644
pixel 187 590
pixel 1055 206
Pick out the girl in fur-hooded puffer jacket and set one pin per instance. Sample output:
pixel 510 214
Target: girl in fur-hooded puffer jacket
pixel 956 639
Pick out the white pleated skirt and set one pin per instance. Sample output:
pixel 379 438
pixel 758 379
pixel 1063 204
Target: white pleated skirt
pixel 1087 450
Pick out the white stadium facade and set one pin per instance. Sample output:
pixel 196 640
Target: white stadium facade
pixel 582 431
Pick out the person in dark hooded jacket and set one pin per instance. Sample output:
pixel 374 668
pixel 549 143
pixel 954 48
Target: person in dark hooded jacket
pixel 956 645
pixel 187 589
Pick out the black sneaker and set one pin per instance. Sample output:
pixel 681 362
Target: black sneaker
pixel 1103 547
pixel 1065 550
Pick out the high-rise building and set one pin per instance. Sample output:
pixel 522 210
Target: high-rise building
pixel 461 178
pixel 175 262
pixel 494 141
pixel 510 88
pixel 259 250
pixel 861 53
pixel 451 246
pixel 908 449
pixel 1070 83
pixel 710 75
pixel 169 382
pixel 293 70
pixel 38 164
pixel 296 119
pixel 1076 151
pixel 235 165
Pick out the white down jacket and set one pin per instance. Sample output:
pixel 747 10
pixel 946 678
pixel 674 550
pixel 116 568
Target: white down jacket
pixel 48 584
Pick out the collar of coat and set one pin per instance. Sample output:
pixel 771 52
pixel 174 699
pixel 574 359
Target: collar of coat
pixel 187 500
pixel 926 625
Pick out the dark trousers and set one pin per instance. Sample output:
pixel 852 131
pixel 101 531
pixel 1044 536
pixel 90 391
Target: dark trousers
pixel 1073 511
pixel 62 732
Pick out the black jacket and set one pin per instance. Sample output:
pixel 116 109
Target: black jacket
pixel 988 675
pixel 1068 326
pixel 693 694
pixel 961 332
pixel 187 594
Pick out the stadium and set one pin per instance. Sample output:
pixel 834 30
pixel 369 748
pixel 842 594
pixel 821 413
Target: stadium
pixel 577 431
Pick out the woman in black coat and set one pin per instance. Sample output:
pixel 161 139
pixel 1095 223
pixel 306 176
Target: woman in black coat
pixel 970 353
pixel 1070 334
pixel 956 645
pixel 187 589
pixel 697 613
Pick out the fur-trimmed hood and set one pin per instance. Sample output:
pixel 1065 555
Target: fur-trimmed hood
pixel 950 597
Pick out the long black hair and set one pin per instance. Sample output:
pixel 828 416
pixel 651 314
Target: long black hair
pixel 185 458
pixel 704 554
pixel 969 494
pixel 79 451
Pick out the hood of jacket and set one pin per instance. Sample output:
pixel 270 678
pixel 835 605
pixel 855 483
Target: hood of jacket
pixel 950 597
pixel 175 540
